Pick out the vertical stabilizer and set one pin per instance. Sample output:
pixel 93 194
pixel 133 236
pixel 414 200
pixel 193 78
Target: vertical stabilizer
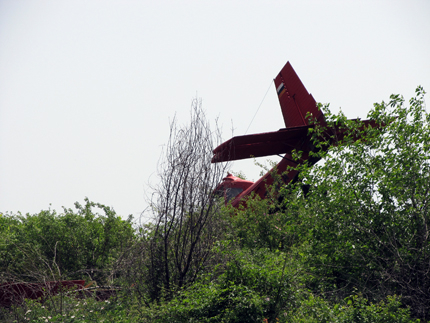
pixel 294 99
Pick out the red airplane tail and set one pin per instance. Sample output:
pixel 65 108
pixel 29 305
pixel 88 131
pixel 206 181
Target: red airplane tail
pixel 296 103
pixel 294 99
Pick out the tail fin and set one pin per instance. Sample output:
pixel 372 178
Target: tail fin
pixel 294 99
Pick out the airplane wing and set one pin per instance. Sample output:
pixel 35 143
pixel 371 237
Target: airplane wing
pixel 294 99
pixel 262 144
pixel 283 141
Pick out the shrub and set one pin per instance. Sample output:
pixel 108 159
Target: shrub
pixel 51 246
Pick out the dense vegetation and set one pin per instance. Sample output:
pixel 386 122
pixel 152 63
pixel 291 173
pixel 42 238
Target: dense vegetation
pixel 354 248
pixel 81 244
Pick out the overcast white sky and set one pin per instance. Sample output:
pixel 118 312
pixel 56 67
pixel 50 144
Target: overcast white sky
pixel 87 88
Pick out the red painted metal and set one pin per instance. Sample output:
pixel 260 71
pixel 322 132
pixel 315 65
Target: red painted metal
pixel 259 187
pixel 232 186
pixel 263 144
pixel 296 104
pixel 294 99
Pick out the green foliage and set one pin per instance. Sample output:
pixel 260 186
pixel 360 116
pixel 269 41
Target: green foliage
pixel 210 302
pixel 354 309
pixel 254 286
pixel 239 174
pixel 261 286
pixel 69 309
pixel 369 207
pixel 268 223
pixel 71 245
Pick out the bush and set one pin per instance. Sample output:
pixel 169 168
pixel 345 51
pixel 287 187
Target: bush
pixel 254 286
pixel 51 246
pixel 270 224
pixel 354 309
pixel 68 309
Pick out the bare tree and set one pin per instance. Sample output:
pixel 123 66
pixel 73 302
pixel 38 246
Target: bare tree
pixel 185 209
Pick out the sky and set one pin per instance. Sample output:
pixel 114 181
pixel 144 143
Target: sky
pixel 88 88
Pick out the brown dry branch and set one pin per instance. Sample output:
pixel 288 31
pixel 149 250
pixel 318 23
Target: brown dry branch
pixel 186 215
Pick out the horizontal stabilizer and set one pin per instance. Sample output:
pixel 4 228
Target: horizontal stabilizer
pixel 262 144
pixel 283 141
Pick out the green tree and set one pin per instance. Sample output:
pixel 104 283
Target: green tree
pixel 368 209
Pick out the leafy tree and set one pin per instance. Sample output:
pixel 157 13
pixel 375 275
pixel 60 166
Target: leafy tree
pixel 368 210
